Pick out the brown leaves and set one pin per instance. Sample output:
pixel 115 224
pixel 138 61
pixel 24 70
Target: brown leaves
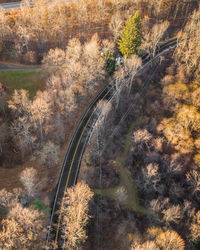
pixel 21 229
pixel 174 94
pixel 75 214
pixel 177 135
pixel 183 128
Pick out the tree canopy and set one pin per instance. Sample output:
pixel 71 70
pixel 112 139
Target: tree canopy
pixel 131 36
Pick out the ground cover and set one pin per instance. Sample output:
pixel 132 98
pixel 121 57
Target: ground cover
pixel 126 183
pixel 29 79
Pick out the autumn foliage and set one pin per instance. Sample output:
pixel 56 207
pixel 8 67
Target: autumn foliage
pixel 75 215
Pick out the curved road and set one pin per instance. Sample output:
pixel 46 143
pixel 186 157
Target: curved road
pixel 10 66
pixel 71 163
pixel 17 5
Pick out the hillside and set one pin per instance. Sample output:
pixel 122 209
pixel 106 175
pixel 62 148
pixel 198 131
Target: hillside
pixel 139 181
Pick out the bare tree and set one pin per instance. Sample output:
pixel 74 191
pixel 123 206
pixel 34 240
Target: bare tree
pixel 119 4
pixel 148 245
pixel 187 53
pixel 193 178
pixel 22 229
pixel 23 39
pixel 20 103
pixel 142 136
pixel 82 14
pixel 55 57
pixel 115 25
pixel 93 61
pixel 5 28
pixel 151 39
pixel 49 154
pixel 73 51
pixel 101 128
pixel 6 198
pixel 23 135
pixel 173 214
pixel 170 240
pixel 28 178
pixel 75 215
pixel 41 111
pixel 131 66
pixel 149 180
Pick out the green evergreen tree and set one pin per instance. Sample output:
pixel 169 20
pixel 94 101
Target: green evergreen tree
pixel 131 36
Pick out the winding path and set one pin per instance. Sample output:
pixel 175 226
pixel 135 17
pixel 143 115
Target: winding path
pixel 72 159
pixel 10 66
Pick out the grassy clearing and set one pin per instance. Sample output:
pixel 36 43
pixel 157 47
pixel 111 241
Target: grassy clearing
pixel 126 180
pixel 31 80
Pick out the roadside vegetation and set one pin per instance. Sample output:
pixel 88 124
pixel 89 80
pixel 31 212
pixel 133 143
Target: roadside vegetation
pixel 162 157
pixel 143 156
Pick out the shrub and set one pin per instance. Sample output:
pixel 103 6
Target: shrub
pixel 37 204
pixel 110 63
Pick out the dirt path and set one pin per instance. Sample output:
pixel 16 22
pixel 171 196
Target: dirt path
pixel 10 66
pixel 126 187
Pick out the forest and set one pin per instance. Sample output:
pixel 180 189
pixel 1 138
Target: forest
pixel 139 182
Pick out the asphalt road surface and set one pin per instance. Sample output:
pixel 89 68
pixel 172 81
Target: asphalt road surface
pixel 72 159
pixel 16 5
pixel 10 6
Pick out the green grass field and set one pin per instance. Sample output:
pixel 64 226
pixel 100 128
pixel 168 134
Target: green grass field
pixel 126 180
pixel 31 80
